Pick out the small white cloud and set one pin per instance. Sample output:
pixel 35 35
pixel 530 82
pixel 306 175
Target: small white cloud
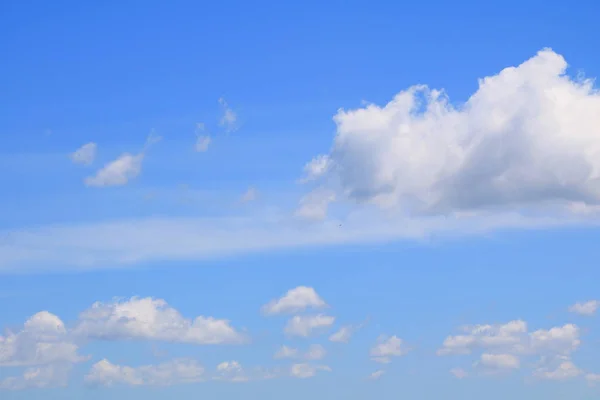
pixel 343 335
pixel 564 371
pixel 85 155
pixel 592 379
pixel 376 375
pixel 122 170
pixel 459 373
pixel 249 195
pixel 118 172
pixel 152 319
pixel 587 308
pixel 295 300
pixel 229 118
pixel 286 352
pixel 202 143
pixel 315 352
pixel 305 325
pixel 385 348
pixel 174 372
pixel 304 371
pixel 317 167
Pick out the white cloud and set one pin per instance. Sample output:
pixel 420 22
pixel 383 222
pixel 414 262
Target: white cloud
pixel 514 338
pixel 314 206
pixel 528 137
pixel 314 352
pixel 118 172
pixel 592 379
pixel 376 375
pixel 304 370
pixel 249 195
pixel 229 118
pixel 316 168
pixel 305 325
pixel 565 370
pixel 123 169
pixel 152 319
pixel 294 300
pixel 387 347
pixel 343 334
pixel 231 371
pixel 586 308
pixel 113 244
pixel 85 155
pixel 43 340
pixel 286 352
pixel 459 373
pixel 178 371
pixel 499 361
pixel 202 143
pixel 44 377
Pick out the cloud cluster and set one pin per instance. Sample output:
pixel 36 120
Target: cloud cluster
pixel 502 347
pixel 152 319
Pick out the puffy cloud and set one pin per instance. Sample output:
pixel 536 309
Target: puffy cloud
pixel 376 375
pixel 229 118
pixel 314 206
pixel 47 376
pixel 499 361
pixel 85 155
pixel 43 340
pixel 305 325
pixel 586 308
pixel 152 319
pixel 385 348
pixel 174 372
pixel 118 172
pixel 231 371
pixel 304 370
pixel 513 337
pixel 503 346
pixel 528 137
pixel 295 300
pixel 563 371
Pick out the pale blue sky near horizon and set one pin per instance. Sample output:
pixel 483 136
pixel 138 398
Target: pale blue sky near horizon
pixel 113 72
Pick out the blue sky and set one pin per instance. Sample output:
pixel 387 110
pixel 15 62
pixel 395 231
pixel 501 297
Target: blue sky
pixel 405 196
